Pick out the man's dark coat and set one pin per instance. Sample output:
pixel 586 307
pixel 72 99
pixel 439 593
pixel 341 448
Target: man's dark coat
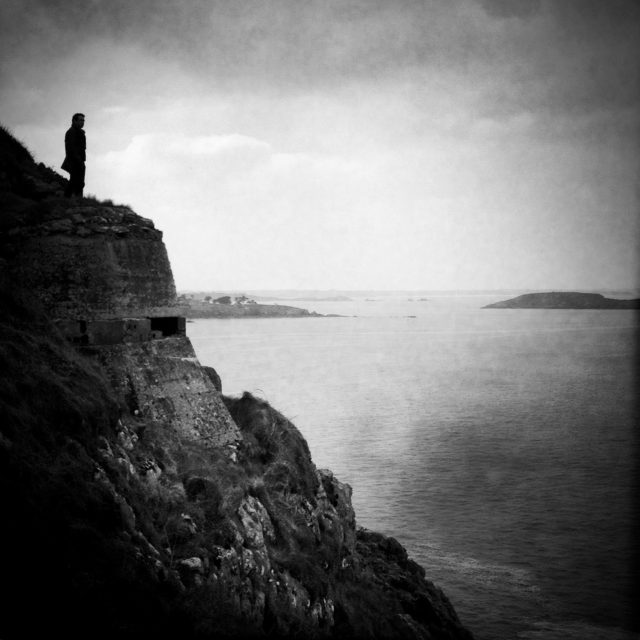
pixel 75 147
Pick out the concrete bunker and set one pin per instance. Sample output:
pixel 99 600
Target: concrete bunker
pixel 169 326
pixel 121 330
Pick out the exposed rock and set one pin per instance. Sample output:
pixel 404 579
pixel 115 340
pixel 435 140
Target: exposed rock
pixel 256 522
pixel 191 571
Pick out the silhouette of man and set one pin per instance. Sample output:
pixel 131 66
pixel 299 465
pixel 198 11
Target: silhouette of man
pixel 75 147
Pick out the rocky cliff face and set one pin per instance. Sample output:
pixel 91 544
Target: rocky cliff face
pixel 139 501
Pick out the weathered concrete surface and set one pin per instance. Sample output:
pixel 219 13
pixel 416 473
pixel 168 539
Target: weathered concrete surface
pixel 93 261
pixel 164 383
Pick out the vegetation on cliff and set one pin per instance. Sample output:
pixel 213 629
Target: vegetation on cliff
pixel 139 502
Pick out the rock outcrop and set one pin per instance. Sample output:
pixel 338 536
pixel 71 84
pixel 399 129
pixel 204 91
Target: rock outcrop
pixel 138 500
pixel 564 300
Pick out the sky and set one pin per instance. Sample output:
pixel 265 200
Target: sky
pixel 349 144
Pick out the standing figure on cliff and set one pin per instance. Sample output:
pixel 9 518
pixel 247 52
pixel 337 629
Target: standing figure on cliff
pixel 75 147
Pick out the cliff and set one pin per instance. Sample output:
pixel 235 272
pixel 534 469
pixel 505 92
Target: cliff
pixel 564 300
pixel 138 500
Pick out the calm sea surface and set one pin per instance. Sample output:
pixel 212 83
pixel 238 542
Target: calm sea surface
pixel 497 445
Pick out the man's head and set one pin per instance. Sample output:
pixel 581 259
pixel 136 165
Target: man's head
pixel 78 120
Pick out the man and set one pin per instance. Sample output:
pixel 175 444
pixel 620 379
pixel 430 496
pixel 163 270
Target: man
pixel 75 146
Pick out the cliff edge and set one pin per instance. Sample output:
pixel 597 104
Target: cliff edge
pixel 138 500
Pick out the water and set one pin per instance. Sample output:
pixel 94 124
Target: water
pixel 496 445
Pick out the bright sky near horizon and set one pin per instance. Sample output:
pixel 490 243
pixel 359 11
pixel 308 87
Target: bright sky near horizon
pixel 349 144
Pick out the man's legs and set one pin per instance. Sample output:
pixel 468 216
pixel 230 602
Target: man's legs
pixel 76 182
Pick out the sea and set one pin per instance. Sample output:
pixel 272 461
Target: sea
pixel 499 446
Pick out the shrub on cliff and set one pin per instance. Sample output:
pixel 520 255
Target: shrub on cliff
pixel 273 446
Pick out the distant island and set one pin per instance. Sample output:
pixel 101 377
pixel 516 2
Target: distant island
pixel 268 297
pixel 239 307
pixel 313 299
pixel 564 300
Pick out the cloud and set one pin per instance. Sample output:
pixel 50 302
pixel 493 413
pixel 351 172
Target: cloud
pixel 237 175
pixel 511 8
pixel 180 148
pixel 217 197
pixel 175 168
